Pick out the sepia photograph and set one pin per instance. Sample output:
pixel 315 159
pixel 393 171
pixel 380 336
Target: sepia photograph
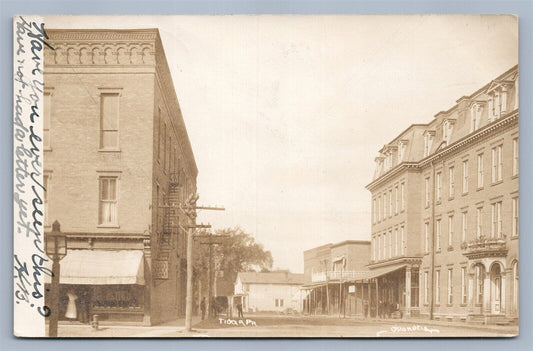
pixel 266 176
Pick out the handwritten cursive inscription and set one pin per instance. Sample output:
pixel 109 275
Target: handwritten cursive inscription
pixel 29 259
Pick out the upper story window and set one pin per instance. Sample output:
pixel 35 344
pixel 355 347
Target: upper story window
pixel 451 181
pixel 515 156
pixel 109 119
pixel 480 171
pixel 515 217
pixel 390 203
pixel 438 181
pixel 426 192
pixel 402 147
pixel 402 196
pixel 46 120
pixel 426 237
pixel 447 128
pixel 498 95
pixel 496 215
pixel 108 200
pixel 476 109
pixel 396 200
pixel 465 176
pixel 374 217
pixel 497 163
pixel 428 141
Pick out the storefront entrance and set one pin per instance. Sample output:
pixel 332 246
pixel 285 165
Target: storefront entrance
pixel 496 289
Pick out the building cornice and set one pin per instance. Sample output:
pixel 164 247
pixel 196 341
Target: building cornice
pixel 509 120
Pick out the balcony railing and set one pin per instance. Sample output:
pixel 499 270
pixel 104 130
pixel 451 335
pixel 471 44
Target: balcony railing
pixel 334 275
pixel 485 247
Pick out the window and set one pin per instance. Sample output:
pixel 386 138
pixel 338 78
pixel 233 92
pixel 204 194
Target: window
pixel 379 247
pixel 427 192
pixel 479 222
pixel 480 278
pixel 428 141
pixel 390 203
pixel 496 215
pixel 109 115
pixel 46 121
pixel 46 185
pixel 390 244
pixel 437 287
pixel 383 243
pixel 515 217
pixel 465 177
pixel 437 239
pixel 426 288
pixel 515 156
pixel 396 242
pixel 374 248
pixel 480 171
pixel 464 226
pixel 463 286
pixel 396 200
pixel 402 192
pixel 439 186
pixel 279 302
pixel 426 237
pixel 497 164
pixel 108 201
pixel 475 114
pixel 451 185
pixel 374 216
pixel 384 199
pixel 379 210
pixel 450 231
pixel 402 248
pixel 450 286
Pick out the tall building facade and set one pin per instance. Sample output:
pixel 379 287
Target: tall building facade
pixel 445 210
pixel 117 163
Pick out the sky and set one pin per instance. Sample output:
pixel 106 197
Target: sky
pixel 286 114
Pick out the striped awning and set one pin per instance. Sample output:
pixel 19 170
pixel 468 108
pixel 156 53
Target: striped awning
pixel 102 267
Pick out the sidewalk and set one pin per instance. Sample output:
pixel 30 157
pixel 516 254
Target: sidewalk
pixel 110 330
pixel 510 329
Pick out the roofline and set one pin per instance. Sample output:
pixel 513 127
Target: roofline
pixel 363 242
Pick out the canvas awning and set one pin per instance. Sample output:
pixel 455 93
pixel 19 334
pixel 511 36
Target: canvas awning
pixel 378 272
pixel 102 267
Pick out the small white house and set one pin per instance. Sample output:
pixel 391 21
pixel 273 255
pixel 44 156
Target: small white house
pixel 271 291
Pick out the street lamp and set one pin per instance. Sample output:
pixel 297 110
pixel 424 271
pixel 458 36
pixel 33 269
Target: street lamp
pixel 55 246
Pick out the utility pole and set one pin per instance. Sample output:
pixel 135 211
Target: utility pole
pixel 189 208
pixel 211 240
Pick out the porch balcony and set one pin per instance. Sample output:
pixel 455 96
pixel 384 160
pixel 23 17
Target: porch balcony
pixel 334 275
pixel 486 247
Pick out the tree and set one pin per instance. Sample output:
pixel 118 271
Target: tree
pixel 239 253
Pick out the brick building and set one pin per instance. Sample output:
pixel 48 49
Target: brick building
pixel 445 210
pixel 116 153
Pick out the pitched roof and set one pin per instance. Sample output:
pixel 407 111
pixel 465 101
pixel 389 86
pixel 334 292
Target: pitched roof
pixel 271 278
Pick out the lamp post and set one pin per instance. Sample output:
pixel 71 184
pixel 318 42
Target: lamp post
pixel 55 246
